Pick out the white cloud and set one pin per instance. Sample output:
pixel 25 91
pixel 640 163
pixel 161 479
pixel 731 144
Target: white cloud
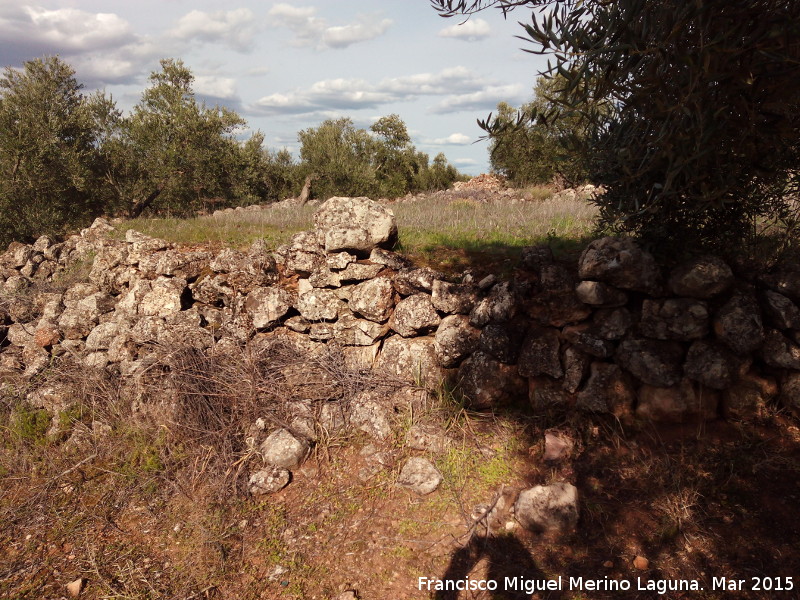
pixel 454 139
pixel 296 15
pixel 78 30
pixel 449 80
pixel 235 28
pixel 484 99
pixel 257 71
pixel 99 69
pixel 360 94
pixel 289 103
pixel 215 87
pixel 28 32
pixel 125 64
pixel 326 94
pixel 101 47
pixel 367 29
pixel 469 31
pixel 283 140
pixel 347 93
pixel 310 30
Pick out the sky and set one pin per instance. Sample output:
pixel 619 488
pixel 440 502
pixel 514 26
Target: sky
pixel 288 66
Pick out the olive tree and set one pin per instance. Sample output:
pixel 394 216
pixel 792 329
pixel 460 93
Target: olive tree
pixel 340 158
pixel 691 108
pixel 528 149
pixel 266 175
pixel 49 132
pixel 173 153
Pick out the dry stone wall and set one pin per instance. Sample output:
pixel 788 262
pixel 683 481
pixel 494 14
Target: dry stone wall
pixel 615 334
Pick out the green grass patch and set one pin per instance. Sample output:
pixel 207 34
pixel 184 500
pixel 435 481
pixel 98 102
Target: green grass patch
pixel 464 466
pixel 272 547
pixel 538 192
pixel 454 235
pixel 29 426
pixel 76 413
pixel 236 229
pixel 142 458
pixel 444 233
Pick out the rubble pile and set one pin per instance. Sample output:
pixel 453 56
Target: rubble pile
pixel 485 182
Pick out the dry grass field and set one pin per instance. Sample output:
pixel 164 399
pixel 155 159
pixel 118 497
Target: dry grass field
pixel 448 231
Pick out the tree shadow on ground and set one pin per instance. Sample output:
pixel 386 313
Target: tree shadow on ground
pixel 698 501
pixel 453 255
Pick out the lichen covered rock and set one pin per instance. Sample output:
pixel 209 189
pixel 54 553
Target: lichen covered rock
pixel 414 315
pixel 703 277
pixel 548 508
pixel 619 262
pixel 354 224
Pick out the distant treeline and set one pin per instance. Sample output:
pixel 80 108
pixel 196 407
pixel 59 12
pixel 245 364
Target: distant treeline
pixel 67 156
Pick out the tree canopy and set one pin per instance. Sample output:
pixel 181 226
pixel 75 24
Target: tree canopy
pixel 49 133
pixel 344 159
pixel 528 149
pixel 173 152
pixel 698 138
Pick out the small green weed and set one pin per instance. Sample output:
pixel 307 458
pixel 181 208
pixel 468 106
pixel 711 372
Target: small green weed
pixel 273 520
pixel 410 527
pixel 76 413
pixel 537 192
pixel 403 552
pixel 463 465
pixel 76 272
pixel 29 426
pixel 142 459
pixel 495 471
pixel 449 399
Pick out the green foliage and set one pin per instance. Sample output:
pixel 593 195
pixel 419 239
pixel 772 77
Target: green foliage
pixel 461 464
pixel 348 161
pixel 440 175
pixel 29 426
pixel 271 546
pixel 537 150
pixel 519 153
pixel 173 153
pixel 264 175
pixel 341 158
pixel 75 413
pixel 66 157
pixel 281 175
pixel 392 130
pixel 144 454
pixel 394 159
pixel 48 136
pixel 698 144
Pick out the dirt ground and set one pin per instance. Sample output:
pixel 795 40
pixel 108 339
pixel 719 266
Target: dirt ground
pixel 697 502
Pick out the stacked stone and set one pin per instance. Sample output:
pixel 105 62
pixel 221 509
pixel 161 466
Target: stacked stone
pixel 692 345
pixel 612 336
